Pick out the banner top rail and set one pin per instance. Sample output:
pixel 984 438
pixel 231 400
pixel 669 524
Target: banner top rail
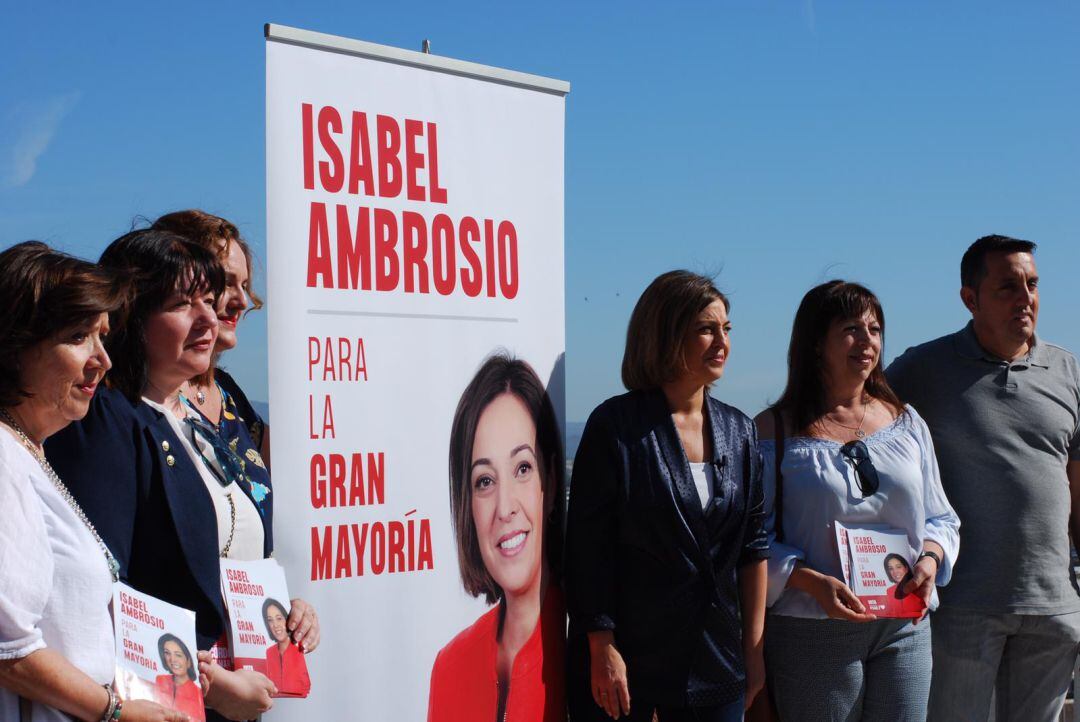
pixel 362 48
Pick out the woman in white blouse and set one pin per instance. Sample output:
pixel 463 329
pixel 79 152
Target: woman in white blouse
pixel 850 453
pixel 166 495
pixel 56 574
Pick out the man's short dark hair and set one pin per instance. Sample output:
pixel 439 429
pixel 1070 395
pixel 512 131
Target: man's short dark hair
pixel 973 264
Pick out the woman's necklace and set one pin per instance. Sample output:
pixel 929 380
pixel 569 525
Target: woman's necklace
pixel 859 433
pixel 114 566
pixel 186 407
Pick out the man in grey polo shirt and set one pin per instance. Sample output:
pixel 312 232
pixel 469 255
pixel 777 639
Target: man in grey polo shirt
pixel 1003 407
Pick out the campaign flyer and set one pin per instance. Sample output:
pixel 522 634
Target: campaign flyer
pixel 155 652
pixel 257 601
pixel 877 565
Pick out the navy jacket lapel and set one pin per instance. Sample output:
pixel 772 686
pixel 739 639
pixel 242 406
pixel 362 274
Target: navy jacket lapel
pixel 720 458
pixel 189 503
pixel 678 468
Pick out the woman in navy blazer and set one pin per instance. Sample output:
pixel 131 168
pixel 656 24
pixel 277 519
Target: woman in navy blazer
pixel 147 478
pixel 665 540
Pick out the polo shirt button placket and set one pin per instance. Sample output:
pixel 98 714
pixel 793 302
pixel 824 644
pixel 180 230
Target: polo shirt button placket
pixel 1007 384
pixel 1011 385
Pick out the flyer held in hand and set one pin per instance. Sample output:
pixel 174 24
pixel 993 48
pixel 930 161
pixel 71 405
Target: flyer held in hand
pixel 877 564
pixel 257 601
pixel 155 652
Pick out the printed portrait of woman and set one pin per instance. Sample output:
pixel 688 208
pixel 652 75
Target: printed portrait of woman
pixel 898 603
pixel 177 689
pixel 506 472
pixel 285 664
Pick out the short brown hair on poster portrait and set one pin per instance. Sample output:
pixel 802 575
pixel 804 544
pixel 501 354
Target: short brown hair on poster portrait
pixel 501 374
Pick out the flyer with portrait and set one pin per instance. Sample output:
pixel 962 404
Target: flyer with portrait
pixel 257 602
pixel 876 563
pixel 155 652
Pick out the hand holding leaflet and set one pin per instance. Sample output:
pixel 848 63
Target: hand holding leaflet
pixel 924 576
pixel 242 695
pixel 877 566
pixel 259 625
pixel 833 596
pixel 154 661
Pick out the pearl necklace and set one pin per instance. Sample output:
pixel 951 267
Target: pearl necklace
pixel 114 566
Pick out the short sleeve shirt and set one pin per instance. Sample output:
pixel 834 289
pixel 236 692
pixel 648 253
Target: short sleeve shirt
pixel 1004 432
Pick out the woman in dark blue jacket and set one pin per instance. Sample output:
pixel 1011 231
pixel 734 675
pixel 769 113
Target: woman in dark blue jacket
pixel 665 569
pixel 165 494
pixel 216 394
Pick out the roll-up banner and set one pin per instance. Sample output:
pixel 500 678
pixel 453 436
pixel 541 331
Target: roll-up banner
pixel 415 260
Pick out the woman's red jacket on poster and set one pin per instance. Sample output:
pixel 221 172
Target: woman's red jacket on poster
pixel 186 698
pixel 910 606
pixel 288 671
pixel 464 683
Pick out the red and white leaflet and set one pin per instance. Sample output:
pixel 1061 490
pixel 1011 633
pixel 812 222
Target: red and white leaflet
pixel 155 652
pixel 257 601
pixel 845 551
pixel 876 562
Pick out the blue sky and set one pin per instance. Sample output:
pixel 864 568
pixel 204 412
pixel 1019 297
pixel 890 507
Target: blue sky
pixel 777 143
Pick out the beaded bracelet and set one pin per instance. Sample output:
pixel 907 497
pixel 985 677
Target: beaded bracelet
pixel 119 709
pixel 113 707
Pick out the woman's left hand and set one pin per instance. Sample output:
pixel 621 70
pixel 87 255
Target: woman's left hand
pixel 921 583
pixel 304 625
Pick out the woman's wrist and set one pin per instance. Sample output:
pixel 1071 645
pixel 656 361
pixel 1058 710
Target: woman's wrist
pixel 752 648
pixel 113 705
pixel 802 577
pixel 600 638
pixel 930 554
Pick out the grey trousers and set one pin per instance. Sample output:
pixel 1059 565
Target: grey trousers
pixel 828 670
pixel 1027 659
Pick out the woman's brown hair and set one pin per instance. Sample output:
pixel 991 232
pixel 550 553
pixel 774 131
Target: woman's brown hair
pixel 501 374
pixel 803 400
pixel 658 325
pixel 213 233
pixel 42 293
pixel 159 264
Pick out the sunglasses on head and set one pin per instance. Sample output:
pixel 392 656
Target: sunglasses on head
pixel 858 455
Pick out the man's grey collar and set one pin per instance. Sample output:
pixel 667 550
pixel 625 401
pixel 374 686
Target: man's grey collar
pixel 967 345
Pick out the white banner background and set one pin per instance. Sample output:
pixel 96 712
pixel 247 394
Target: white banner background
pixel 500 156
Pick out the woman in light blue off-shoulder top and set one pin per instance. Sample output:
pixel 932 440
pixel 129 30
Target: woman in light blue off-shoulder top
pixel 854 455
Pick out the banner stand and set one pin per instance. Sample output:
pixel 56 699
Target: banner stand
pixel 416 325
pixel 363 49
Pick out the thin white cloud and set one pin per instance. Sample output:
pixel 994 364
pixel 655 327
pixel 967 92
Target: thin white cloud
pixel 34 127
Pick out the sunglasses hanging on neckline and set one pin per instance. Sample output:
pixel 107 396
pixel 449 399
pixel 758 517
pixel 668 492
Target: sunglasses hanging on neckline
pixel 858 455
